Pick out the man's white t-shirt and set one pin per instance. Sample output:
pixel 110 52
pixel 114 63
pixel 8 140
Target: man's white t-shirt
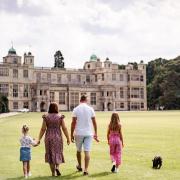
pixel 84 125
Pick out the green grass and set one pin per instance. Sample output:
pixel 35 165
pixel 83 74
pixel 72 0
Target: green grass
pixel 146 134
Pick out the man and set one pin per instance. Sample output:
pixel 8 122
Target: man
pixel 83 121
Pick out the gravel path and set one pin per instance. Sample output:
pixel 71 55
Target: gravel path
pixel 8 114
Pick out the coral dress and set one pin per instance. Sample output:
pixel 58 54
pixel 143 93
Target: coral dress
pixel 53 139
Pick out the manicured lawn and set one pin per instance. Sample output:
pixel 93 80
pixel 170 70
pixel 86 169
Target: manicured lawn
pixel 146 134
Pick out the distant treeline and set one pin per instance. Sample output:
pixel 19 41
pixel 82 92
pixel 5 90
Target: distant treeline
pixel 163 84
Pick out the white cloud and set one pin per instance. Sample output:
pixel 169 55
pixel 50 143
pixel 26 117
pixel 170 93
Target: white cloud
pixel 122 30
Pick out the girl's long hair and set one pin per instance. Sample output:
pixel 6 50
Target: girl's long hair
pixel 114 123
pixel 25 129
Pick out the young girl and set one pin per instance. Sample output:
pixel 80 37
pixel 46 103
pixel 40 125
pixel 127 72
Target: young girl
pixel 25 150
pixel 115 141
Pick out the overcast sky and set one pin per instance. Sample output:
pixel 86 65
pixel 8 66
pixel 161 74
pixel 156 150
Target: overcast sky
pixel 123 30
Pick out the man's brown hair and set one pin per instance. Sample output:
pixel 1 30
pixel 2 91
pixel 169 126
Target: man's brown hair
pixel 83 98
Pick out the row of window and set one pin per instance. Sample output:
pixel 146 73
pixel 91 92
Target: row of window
pixel 133 77
pixel 74 98
pixel 75 102
pixel 5 72
pixel 88 77
pixel 16 106
pixel 134 93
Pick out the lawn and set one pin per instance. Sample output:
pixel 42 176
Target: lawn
pixel 146 134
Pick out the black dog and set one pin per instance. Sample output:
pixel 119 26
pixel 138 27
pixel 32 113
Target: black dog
pixel 157 162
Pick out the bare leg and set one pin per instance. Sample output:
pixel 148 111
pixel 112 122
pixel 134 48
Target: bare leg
pixel 28 167
pixel 57 166
pixel 57 170
pixel 79 158
pixel 52 166
pixel 25 168
pixel 86 159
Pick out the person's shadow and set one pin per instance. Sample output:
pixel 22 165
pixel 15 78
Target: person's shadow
pixel 73 175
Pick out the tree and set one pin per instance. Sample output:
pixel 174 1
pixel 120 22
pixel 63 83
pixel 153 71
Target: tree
pixel 3 104
pixel 163 83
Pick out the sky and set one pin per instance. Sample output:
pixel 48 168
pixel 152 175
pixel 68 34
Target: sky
pixel 122 30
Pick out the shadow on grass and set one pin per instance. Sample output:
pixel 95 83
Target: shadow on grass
pixel 73 175
pixel 96 175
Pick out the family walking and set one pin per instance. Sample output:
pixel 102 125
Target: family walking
pixel 83 131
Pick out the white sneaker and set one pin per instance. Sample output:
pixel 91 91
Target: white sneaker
pixel 116 170
pixel 29 174
pixel 25 176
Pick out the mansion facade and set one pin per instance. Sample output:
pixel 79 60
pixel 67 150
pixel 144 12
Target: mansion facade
pixel 106 86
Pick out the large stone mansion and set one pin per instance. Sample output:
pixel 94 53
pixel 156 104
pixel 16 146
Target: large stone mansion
pixel 107 86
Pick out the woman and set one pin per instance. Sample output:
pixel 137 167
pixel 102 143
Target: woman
pixel 52 124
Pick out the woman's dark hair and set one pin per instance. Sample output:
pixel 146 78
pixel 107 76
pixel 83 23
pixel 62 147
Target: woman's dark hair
pixel 53 108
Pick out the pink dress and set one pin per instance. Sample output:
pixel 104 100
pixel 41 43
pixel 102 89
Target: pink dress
pixel 115 147
pixel 53 139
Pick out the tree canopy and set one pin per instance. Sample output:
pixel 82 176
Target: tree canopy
pixel 163 83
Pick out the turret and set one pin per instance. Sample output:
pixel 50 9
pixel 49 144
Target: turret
pixel 12 57
pixel 28 59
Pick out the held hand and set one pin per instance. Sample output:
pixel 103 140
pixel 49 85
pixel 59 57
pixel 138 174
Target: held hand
pixel 72 139
pixel 38 142
pixel 96 138
pixel 68 141
pixel 43 116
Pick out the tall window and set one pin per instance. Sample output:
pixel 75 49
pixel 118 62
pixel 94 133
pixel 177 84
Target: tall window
pixel 49 78
pixel 122 105
pixel 74 99
pixel 4 89
pixel 59 78
pixel 4 72
pixel 135 106
pixel 79 78
pixel 134 92
pixel 52 96
pixel 114 77
pixel 15 105
pixel 142 93
pixel 15 60
pixel 142 105
pixel 95 77
pixel 87 78
pixel 141 78
pixel 121 92
pixel 128 95
pixel 26 105
pixel 61 97
pixel 93 98
pixel 38 76
pixel 102 77
pixel 25 73
pixel 15 73
pixel 15 90
pixel 121 77
pixel 69 77
pixel 26 90
pixel 134 77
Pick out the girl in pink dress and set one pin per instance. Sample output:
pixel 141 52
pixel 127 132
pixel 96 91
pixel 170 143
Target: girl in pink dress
pixel 115 141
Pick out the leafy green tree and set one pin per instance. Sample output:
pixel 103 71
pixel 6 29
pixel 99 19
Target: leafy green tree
pixel 3 104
